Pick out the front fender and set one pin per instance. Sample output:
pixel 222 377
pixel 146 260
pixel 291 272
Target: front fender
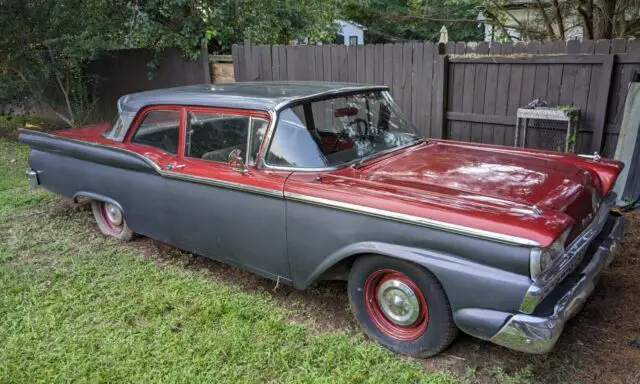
pixel 467 284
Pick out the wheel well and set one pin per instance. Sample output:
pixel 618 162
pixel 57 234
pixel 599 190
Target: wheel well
pixel 82 196
pixel 340 270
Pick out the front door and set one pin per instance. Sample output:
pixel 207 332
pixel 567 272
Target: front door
pixel 234 211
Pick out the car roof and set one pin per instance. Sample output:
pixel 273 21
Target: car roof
pixel 264 95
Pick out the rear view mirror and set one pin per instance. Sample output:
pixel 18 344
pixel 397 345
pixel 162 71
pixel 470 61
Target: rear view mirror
pixel 346 111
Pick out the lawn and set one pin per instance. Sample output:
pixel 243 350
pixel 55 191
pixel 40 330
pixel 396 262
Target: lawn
pixel 76 306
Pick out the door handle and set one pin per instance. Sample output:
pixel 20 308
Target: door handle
pixel 174 165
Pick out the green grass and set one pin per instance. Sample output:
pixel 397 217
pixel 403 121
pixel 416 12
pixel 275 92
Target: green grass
pixel 76 306
pixel 15 193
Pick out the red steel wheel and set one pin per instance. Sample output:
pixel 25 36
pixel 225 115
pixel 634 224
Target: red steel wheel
pixel 110 219
pixel 401 305
pixel 396 305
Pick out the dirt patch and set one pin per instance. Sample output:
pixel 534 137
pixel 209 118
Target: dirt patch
pixel 600 344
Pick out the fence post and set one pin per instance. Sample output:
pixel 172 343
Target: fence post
pixel 204 57
pixel 604 88
pixel 438 118
pixel 249 64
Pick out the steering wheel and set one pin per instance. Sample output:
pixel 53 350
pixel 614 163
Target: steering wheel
pixel 359 122
pixel 361 125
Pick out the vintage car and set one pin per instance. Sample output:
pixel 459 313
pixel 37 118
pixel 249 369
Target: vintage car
pixel 305 181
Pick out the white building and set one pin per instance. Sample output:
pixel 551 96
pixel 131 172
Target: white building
pixel 349 33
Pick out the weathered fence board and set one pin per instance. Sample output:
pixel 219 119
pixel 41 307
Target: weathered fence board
pixel 120 72
pixel 469 91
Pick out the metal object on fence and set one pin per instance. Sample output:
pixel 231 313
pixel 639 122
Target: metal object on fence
pixel 551 128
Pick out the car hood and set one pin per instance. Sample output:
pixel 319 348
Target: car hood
pixel 483 174
pixel 535 195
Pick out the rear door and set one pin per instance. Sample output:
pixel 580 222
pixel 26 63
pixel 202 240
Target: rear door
pixel 155 134
pixel 227 211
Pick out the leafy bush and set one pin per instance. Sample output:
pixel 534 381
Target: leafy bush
pixel 10 124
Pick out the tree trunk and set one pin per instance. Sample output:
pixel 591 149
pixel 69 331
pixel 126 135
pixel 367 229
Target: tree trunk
pixel 604 19
pixel 559 18
pixel 548 23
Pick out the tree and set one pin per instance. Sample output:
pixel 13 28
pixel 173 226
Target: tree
pixel 45 45
pixel 273 22
pixel 406 20
pixel 554 19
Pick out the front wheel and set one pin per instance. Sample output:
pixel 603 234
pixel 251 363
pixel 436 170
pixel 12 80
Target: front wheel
pixel 111 220
pixel 401 305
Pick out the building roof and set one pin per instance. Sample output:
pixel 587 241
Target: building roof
pixel 264 96
pixel 350 22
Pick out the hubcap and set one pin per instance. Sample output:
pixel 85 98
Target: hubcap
pixel 113 214
pixel 398 302
pixel 395 305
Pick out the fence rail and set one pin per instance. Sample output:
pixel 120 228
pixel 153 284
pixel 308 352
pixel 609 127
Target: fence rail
pixel 470 91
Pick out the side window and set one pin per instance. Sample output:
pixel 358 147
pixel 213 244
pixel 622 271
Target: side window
pixel 159 129
pixel 212 135
pixel 258 131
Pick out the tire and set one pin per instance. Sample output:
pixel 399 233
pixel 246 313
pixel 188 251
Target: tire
pixel 420 333
pixel 108 226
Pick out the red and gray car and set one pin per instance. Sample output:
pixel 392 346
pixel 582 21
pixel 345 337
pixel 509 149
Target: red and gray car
pixel 301 182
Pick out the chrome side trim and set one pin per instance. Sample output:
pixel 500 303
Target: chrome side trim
pixel 536 334
pixel 567 262
pixel 223 184
pixel 595 157
pixel 415 220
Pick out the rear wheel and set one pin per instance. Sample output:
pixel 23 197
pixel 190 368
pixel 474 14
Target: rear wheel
pixel 111 220
pixel 401 305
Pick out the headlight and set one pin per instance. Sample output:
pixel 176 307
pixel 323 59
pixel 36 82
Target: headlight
pixel 543 258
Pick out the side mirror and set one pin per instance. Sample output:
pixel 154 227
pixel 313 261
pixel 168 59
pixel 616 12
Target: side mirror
pixel 236 161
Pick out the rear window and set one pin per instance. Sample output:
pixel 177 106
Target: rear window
pixel 119 127
pixel 159 129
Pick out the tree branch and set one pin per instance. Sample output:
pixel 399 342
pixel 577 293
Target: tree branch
pixel 40 99
pixel 559 17
pixel 547 21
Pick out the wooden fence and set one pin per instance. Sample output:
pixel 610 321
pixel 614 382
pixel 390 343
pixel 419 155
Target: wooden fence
pixel 121 72
pixel 469 91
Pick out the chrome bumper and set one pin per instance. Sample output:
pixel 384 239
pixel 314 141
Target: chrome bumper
pixel 538 334
pixel 32 176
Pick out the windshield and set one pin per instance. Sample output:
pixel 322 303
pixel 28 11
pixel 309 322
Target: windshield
pixel 339 130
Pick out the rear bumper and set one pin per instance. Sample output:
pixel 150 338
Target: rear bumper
pixel 539 331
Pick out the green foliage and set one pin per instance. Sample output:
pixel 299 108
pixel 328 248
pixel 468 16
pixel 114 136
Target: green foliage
pixel 77 306
pixel 272 22
pixel 415 19
pixel 45 45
